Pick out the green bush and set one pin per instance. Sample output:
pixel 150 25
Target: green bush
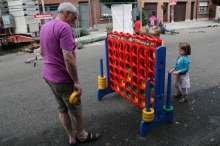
pixel 109 28
pixel 144 18
pixel 84 31
pixel 81 31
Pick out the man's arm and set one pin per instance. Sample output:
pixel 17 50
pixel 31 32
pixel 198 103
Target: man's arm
pixel 72 69
pixel 41 53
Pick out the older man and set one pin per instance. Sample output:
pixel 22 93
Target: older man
pixel 60 72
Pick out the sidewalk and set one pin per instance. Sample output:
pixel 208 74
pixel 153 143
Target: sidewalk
pixel 191 24
pixel 100 35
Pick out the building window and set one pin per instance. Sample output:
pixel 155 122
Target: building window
pixel 49 8
pixel 203 7
pixel 105 11
pixel 53 8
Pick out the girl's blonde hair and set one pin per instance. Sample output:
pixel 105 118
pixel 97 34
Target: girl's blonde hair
pixel 185 47
pixel 155 31
pixel 144 31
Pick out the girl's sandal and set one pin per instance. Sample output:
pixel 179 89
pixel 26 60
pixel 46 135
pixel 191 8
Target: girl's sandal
pixel 183 100
pixel 177 95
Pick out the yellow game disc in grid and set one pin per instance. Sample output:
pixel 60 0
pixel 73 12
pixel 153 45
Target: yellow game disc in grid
pixel 135 98
pixel 117 87
pixel 129 77
pixel 123 83
pixel 152 99
pixel 143 84
pixel 143 102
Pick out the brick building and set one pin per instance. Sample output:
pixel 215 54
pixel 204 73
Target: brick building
pixel 92 12
pixel 184 10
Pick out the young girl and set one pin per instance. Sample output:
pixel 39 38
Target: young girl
pixel 181 69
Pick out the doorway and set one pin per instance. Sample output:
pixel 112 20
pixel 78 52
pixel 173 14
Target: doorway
pixel 149 7
pixel 192 10
pixel 83 15
pixel 165 12
pixel 180 11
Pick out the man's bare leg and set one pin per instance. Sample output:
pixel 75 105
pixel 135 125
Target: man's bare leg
pixel 81 133
pixel 66 122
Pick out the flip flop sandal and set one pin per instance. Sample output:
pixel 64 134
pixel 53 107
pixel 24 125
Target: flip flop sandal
pixel 72 144
pixel 90 137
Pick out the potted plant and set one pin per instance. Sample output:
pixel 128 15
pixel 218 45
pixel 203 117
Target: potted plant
pixel 162 6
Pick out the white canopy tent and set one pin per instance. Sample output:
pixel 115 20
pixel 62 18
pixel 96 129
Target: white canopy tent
pixel 121 17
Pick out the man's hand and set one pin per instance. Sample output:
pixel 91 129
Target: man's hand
pixel 78 88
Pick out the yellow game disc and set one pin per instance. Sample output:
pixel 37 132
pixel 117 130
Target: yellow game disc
pixel 147 120
pixel 73 99
pixel 129 77
pixel 143 84
pixel 117 87
pixel 135 98
pixel 123 83
pixel 143 102
pixel 151 112
pixel 151 99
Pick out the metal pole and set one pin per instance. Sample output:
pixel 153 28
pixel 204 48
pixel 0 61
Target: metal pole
pixel 197 9
pixel 140 12
pixel 123 17
pixel 90 9
pixel 42 2
pixel 95 16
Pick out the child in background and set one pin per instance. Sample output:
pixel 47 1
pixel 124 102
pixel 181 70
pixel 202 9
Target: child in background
pixel 162 29
pixel 137 25
pixel 155 32
pixel 144 31
pixel 153 21
pixel 180 69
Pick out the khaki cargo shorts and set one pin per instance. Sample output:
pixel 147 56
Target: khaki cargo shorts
pixel 62 94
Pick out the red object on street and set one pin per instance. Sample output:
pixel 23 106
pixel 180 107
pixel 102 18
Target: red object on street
pixel 19 39
pixel 43 16
pixel 172 2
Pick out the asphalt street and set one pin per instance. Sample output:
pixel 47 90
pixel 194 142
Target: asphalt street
pixel 29 115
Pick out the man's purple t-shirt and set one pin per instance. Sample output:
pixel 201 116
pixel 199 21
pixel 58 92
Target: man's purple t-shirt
pixel 56 35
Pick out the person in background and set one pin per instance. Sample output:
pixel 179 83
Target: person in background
pixel 137 25
pixel 181 70
pixel 144 31
pixel 60 71
pixel 162 29
pixel 155 32
pixel 153 21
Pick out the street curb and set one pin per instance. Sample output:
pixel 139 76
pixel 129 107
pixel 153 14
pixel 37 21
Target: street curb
pixel 95 38
pixel 196 27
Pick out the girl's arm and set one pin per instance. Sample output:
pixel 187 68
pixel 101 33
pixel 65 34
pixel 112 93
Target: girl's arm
pixel 186 64
pixel 172 69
